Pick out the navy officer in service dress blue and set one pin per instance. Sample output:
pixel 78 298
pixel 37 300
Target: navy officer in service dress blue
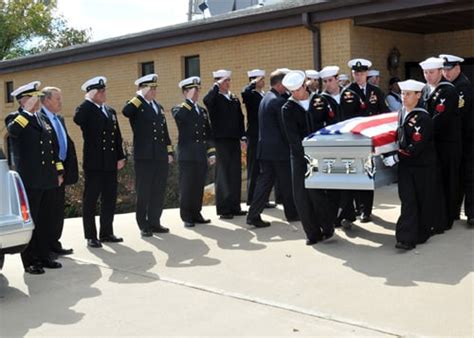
pixel 103 156
pixel 152 153
pixel 416 160
pixel 39 167
pixel 227 122
pixel 195 151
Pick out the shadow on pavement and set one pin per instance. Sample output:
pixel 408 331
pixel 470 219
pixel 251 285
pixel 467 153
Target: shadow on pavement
pixel 125 258
pixel 183 252
pixel 47 298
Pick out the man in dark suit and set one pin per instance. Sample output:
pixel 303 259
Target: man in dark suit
pixel 51 107
pixel 452 72
pixel 273 155
pixel 195 151
pixel 152 152
pixel 227 122
pixel 362 99
pixel 103 156
pixel 40 169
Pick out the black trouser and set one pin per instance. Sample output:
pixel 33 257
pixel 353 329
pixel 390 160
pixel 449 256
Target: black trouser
pixel 253 169
pixel 310 206
pixel 150 181
pixel 228 176
pixel 466 190
pixel 38 247
pixel 55 216
pixel 449 155
pixel 269 172
pixel 346 206
pixel 365 200
pixel 192 178
pixel 417 191
pixel 97 184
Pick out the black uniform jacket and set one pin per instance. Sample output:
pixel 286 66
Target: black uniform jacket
pixel 320 112
pixel 227 120
pixel 252 99
pixel 151 140
pixel 415 138
pixel 195 136
pixel 443 106
pixel 102 137
pixel 272 144
pixel 34 150
pixel 295 126
pixel 71 174
pixel 465 91
pixel 355 103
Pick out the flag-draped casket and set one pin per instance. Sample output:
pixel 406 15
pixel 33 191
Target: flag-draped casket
pixel 345 155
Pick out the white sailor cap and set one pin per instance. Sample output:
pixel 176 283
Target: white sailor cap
pixel 450 60
pixel 373 72
pixel 312 74
pixel 256 73
pixel 97 82
pixel 283 70
pixel 411 85
pixel 221 73
pixel 190 82
pixel 329 71
pixel 343 77
pixel 294 80
pixel 29 89
pixel 359 65
pixel 149 80
pixel 432 63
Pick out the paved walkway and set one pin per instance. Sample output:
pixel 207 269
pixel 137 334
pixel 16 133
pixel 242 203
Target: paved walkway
pixel 228 279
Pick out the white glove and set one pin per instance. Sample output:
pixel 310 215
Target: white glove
pixel 391 160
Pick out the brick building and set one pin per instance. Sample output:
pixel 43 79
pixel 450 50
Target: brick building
pixel 298 34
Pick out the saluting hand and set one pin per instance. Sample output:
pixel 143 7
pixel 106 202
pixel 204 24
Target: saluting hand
pixel 120 164
pixel 170 159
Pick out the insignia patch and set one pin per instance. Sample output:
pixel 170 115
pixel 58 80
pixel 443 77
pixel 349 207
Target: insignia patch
pixel 363 105
pixel 373 98
pixel 461 101
pixel 440 107
pixel 416 136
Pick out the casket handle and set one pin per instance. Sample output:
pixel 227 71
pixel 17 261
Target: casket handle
pixel 348 164
pixel 329 162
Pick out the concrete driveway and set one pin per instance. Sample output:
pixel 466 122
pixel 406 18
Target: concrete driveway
pixel 229 279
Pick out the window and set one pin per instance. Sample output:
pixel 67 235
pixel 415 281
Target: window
pixel 191 66
pixel 147 68
pixel 8 91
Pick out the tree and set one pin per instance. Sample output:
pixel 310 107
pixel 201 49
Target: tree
pixel 32 26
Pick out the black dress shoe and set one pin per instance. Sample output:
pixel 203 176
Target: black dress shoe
pixel 239 213
pixel 226 216
pixel 146 233
pixel 111 239
pixel 270 205
pixel 365 218
pixel 51 264
pixel 312 241
pixel 63 252
pixel 470 221
pixel 258 222
pixel 188 224
pixel 404 246
pixel 293 219
pixel 34 269
pixel 94 243
pixel 327 235
pixel 160 229
pixel 201 220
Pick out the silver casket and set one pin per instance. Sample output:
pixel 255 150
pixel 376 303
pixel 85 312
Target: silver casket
pixel 344 162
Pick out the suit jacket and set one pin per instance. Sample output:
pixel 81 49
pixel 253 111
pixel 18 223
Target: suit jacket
pixel 272 144
pixel 71 172
pixel 34 151
pixel 355 103
pixel 151 140
pixel 195 141
pixel 102 137
pixel 227 120
pixel 251 98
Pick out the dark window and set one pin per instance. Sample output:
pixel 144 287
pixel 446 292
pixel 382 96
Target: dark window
pixel 8 91
pixel 191 66
pixel 148 68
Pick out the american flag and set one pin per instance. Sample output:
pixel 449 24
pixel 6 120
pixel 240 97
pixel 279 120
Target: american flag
pixel 380 128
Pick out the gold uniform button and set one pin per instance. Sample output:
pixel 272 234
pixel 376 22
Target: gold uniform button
pixel 154 130
pixel 103 148
pixel 162 140
pixel 50 142
pixel 103 140
pixel 112 149
pixel 42 162
pixel 156 138
pixel 113 133
pixel 196 125
pixel 52 162
pixel 51 152
pixel 42 153
pixel 103 133
pixel 154 123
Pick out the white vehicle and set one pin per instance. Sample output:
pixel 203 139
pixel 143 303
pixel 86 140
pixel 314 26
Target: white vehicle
pixel 16 225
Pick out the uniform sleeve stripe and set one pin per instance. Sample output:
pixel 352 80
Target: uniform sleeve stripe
pixel 22 121
pixel 170 149
pixel 59 166
pixel 187 106
pixel 211 150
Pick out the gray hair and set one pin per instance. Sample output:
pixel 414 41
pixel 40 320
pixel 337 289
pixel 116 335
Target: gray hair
pixel 48 92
